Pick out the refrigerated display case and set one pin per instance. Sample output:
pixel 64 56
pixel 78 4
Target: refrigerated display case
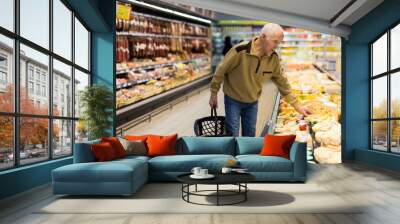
pixel 320 93
pixel 157 52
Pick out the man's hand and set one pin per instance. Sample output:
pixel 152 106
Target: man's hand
pixel 303 111
pixel 213 101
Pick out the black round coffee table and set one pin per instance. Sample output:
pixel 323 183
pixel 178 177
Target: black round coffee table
pixel 238 179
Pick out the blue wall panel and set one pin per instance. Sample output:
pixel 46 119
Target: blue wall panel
pixel 356 84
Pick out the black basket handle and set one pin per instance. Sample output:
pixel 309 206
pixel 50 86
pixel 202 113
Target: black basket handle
pixel 215 116
pixel 214 112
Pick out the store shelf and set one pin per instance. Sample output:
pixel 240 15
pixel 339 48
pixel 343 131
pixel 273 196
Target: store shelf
pixel 148 67
pixel 125 33
pixel 166 19
pixel 132 111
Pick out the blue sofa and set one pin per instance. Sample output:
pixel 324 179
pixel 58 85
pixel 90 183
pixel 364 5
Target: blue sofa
pixel 125 176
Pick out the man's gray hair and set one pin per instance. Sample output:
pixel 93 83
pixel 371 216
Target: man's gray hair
pixel 270 29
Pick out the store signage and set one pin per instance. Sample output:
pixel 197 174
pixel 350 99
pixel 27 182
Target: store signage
pixel 124 11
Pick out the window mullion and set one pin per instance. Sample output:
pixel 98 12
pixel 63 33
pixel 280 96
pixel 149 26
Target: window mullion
pixel 73 81
pixel 16 84
pixel 389 104
pixel 50 81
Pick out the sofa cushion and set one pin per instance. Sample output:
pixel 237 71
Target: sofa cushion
pixel 249 145
pixel 133 157
pixel 83 152
pixel 185 163
pixel 257 163
pixel 112 171
pixel 206 145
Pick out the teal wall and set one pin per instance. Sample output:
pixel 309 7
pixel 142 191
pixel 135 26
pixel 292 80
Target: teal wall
pixel 356 85
pixel 99 16
pixel 24 178
pixel 103 64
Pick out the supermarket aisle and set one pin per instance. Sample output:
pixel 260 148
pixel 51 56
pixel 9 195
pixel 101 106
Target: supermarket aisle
pixel 181 117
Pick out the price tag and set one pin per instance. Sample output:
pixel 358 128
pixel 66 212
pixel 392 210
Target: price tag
pixel 124 11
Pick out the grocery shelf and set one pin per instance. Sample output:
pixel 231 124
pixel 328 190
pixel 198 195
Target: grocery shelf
pixel 135 34
pixel 166 19
pixel 147 67
pixel 130 112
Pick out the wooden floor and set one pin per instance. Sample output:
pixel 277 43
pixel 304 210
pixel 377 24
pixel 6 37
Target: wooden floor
pixel 378 189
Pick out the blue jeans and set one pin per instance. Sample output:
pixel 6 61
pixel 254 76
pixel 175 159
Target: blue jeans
pixel 236 111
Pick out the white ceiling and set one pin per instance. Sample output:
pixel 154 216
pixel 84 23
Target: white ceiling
pixel 316 15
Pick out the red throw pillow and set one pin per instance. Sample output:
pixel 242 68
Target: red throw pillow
pixel 277 145
pixel 161 145
pixel 116 145
pixel 103 151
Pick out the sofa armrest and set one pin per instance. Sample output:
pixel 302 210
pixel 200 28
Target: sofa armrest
pixel 83 152
pixel 298 155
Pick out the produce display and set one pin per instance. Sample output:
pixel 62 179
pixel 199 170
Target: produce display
pixel 320 94
pixel 155 54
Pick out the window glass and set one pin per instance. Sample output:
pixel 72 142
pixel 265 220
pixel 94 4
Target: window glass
pixel 39 62
pixel 7 14
pixel 62 91
pixel 34 142
pixel 379 135
pixel 6 142
pixel 62 138
pixel 81 82
pixel 6 74
pixel 81 45
pixel 395 47
pixel 62 29
pixel 35 21
pixel 379 56
pixel 379 98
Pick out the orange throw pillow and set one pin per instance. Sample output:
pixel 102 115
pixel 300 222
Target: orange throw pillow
pixel 103 152
pixel 136 137
pixel 277 145
pixel 116 145
pixel 161 145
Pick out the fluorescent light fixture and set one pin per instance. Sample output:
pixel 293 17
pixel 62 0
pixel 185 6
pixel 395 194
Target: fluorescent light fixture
pixel 171 11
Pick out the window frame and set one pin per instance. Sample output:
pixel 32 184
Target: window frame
pixel 388 74
pixel 16 114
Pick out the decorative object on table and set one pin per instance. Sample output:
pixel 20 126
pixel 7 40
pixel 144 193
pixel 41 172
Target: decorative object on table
pixel 211 126
pixel 196 170
pixel 200 173
pixel 96 102
pixel 236 170
pixel 226 170
pixel 231 163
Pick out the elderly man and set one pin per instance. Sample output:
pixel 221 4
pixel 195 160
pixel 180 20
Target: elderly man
pixel 243 71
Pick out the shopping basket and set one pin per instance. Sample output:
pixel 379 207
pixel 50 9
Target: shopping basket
pixel 211 126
